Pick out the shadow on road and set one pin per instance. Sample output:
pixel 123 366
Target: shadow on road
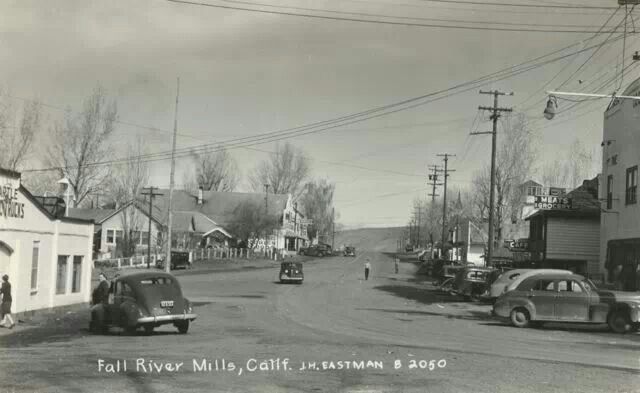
pixel 471 315
pixel 424 296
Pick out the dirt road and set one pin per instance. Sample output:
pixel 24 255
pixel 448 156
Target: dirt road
pixel 334 333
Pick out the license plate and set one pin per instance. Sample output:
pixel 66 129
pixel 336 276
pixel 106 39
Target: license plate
pixel 166 303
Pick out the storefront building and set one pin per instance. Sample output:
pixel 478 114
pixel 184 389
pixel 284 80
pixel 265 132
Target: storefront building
pixel 620 227
pixel 564 233
pixel 47 257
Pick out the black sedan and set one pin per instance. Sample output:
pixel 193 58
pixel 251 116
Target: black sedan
pixel 144 299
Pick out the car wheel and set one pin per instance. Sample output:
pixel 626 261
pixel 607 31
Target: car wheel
pixel 619 322
pixel 148 329
pixel 520 317
pixel 183 327
pixel 635 327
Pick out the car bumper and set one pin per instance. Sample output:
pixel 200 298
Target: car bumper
pixel 291 278
pixel 168 318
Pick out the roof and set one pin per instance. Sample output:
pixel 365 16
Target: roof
pixel 10 173
pixel 216 206
pixel 584 203
pixel 96 215
pixel 191 222
pixel 48 213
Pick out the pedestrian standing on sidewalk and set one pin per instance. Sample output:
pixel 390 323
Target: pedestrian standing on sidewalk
pixel 101 293
pixel 5 305
pixel 367 269
pixel 397 262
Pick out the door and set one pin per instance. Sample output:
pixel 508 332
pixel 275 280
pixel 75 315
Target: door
pixel 543 296
pixel 572 301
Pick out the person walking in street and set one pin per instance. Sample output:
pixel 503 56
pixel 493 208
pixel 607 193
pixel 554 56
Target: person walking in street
pixel 5 305
pixel 397 262
pixel 367 269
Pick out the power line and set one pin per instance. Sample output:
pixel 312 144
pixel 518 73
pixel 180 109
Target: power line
pixel 397 16
pixel 485 3
pixel 359 20
pixel 359 116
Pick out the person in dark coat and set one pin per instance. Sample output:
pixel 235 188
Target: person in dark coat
pixel 101 293
pixel 5 305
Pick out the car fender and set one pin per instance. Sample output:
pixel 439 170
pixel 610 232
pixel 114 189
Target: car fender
pixel 631 308
pixel 526 304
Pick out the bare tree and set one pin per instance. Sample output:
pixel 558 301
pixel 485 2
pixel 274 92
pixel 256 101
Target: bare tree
pixel 580 164
pixel 81 142
pixel 285 171
pixel 514 160
pixel 17 132
pixel 215 170
pixel 126 185
pixel 317 202
pixel 249 222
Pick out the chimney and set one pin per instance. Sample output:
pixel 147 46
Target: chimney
pixel 200 195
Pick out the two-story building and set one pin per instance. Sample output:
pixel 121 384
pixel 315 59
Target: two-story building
pixel 620 226
pixel 47 256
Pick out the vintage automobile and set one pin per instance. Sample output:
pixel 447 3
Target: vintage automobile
pixel 568 297
pixel 471 282
pixel 179 260
pixel 349 251
pixel 504 281
pixel 316 250
pixel 442 270
pixel 143 299
pixel 291 272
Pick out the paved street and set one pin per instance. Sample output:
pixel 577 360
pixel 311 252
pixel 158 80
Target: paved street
pixel 361 329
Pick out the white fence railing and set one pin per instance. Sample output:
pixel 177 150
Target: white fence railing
pixel 194 255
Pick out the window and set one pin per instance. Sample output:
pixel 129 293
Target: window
pixel 61 279
pixel 34 265
pixel 632 185
pixel 144 240
pixel 111 238
pixel 569 286
pixel 609 192
pixel 543 285
pixel 76 281
pixel 119 236
pixel 135 237
pixel 159 239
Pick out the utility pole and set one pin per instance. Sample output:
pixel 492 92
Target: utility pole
pixel 433 181
pixel 444 196
pixel 167 266
pixel 149 191
pixel 494 133
pixel 333 228
pixel 266 199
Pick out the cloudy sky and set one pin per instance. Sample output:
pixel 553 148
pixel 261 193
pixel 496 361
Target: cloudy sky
pixel 245 73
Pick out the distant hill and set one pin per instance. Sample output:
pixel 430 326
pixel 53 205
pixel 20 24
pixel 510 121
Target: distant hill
pixel 370 239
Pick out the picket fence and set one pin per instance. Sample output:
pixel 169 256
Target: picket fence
pixel 194 255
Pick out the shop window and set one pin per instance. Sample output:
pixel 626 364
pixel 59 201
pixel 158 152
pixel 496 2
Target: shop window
pixel 34 265
pixel 76 281
pixel 632 185
pixel 111 236
pixel 61 277
pixel 609 192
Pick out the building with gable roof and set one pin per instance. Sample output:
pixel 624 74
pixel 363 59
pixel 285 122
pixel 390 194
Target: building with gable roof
pixel 46 255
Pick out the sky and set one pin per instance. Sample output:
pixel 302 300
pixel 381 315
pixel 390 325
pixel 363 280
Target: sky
pixel 245 73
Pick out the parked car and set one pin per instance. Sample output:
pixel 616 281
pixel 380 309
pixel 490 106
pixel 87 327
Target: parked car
pixel 291 272
pixel 471 282
pixel 179 260
pixel 316 250
pixel 349 251
pixel 143 299
pixel 568 297
pixel 423 255
pixel 502 283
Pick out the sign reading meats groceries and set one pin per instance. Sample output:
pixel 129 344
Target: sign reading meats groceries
pixel 9 205
pixel 552 202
